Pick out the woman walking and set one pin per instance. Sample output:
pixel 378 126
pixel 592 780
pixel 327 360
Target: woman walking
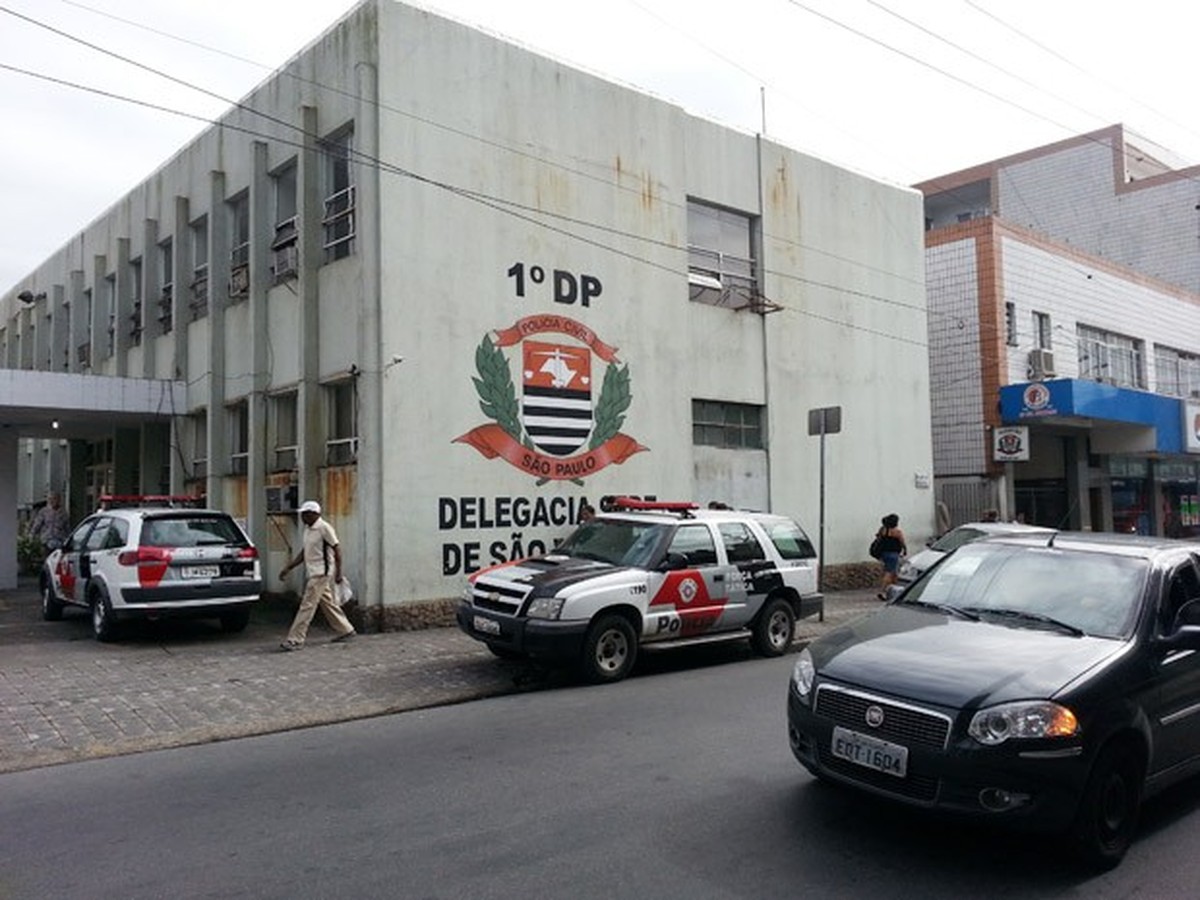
pixel 892 547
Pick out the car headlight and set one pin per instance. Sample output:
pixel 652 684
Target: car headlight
pixel 1026 719
pixel 908 572
pixel 545 608
pixel 803 673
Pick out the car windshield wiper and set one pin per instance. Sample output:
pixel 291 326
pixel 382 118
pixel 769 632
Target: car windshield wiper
pixel 944 607
pixel 1027 616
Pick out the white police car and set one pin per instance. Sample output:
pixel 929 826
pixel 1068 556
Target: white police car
pixel 150 558
pixel 653 574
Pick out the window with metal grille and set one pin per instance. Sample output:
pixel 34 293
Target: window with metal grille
pixel 285 255
pixel 721 269
pixel 1176 372
pixel 239 242
pixel 1111 358
pixel 166 277
pixel 135 313
pixel 731 425
pixel 283 430
pixel 199 286
pixel 341 443
pixel 239 438
pixel 1042 331
pixel 200 444
pixel 338 222
pixel 109 300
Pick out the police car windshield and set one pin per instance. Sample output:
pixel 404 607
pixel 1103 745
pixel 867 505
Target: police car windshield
pixel 616 541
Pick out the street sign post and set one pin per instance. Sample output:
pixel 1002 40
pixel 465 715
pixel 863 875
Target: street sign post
pixel 823 421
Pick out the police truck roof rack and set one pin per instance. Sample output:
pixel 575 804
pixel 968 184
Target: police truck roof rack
pixel 681 507
pixel 170 501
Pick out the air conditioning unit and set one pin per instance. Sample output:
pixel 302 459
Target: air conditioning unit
pixel 281 498
pixel 1041 364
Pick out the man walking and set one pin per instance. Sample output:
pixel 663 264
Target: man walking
pixel 322 558
pixel 50 524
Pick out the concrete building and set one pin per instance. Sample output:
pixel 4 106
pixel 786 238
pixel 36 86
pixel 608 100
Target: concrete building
pixel 1065 336
pixel 452 289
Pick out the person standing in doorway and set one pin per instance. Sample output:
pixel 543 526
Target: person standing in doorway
pixel 321 555
pixel 892 547
pixel 50 524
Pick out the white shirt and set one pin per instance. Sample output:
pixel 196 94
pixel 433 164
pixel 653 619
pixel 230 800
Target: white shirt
pixel 319 560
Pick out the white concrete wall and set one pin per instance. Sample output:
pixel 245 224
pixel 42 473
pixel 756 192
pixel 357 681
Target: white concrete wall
pixel 1073 292
pixel 842 255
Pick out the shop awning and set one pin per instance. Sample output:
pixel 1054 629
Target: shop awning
pixel 1122 420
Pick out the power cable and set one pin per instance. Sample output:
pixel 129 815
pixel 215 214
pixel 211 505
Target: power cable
pixel 496 204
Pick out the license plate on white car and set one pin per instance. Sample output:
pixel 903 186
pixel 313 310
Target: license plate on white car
pixel 486 626
pixel 871 752
pixel 201 572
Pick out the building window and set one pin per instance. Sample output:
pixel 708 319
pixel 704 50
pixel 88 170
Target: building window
pixel 341 443
pixel 1010 324
pixel 1111 358
pixel 239 242
pixel 283 429
pixel 720 256
pixel 199 286
pixel 285 256
pixel 239 438
pixel 109 305
pixel 135 313
pixel 1042 332
pixel 1176 373
pixel 731 425
pixel 83 352
pixel 200 445
pixel 166 277
pixel 338 220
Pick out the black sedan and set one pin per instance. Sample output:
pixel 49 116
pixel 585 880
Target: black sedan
pixel 1046 682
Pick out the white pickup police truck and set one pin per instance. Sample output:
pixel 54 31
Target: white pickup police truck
pixel 653 574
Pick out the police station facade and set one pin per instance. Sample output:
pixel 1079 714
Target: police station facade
pixel 452 289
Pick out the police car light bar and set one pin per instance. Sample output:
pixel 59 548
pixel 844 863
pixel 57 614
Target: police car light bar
pixel 120 501
pixel 634 503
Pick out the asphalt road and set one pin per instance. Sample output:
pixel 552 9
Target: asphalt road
pixel 676 783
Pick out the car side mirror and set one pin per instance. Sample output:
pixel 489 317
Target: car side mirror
pixel 672 562
pixel 1185 637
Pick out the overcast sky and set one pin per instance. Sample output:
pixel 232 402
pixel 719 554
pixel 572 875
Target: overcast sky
pixel 901 89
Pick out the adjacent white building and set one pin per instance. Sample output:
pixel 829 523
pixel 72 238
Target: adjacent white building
pixel 1065 336
pixel 452 289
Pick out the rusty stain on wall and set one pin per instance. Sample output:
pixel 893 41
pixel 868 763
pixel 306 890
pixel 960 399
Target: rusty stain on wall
pixel 339 485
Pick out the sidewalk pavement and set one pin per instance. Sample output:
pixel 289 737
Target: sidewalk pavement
pixel 66 697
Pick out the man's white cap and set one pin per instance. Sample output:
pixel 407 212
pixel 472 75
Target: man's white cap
pixel 311 506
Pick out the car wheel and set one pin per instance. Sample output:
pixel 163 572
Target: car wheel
pixel 52 607
pixel 235 620
pixel 774 628
pixel 1108 813
pixel 610 650
pixel 104 625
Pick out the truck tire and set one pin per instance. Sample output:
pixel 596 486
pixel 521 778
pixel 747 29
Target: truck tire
pixel 610 650
pixel 52 607
pixel 774 628
pixel 104 625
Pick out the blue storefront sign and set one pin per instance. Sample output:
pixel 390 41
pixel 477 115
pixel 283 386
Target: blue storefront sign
pixel 1074 399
